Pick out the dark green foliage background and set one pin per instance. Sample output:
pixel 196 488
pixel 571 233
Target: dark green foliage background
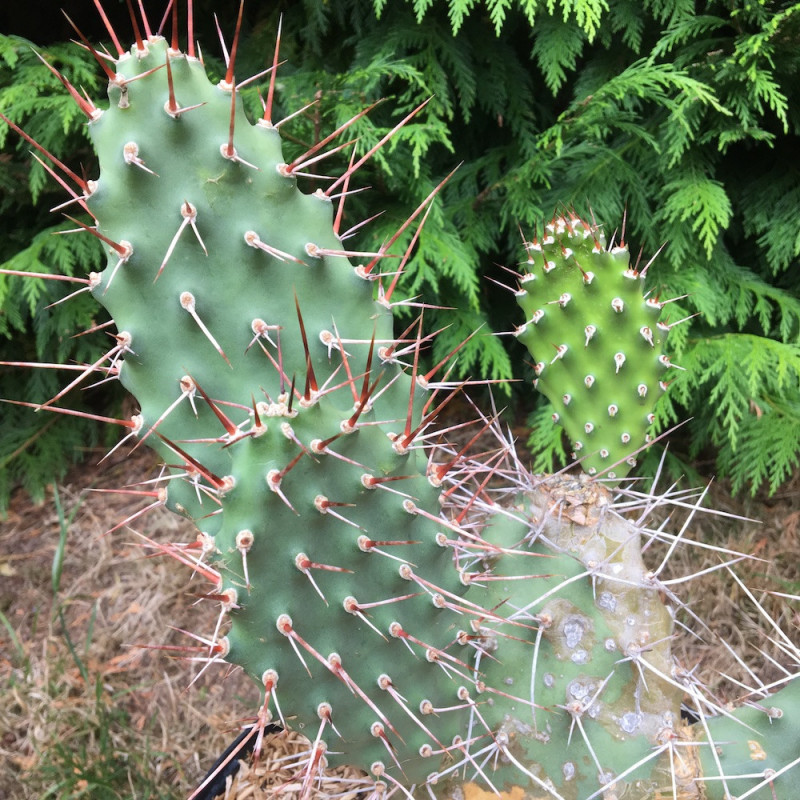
pixel 683 113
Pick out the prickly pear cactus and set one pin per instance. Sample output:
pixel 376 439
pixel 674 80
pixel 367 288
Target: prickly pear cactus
pixel 296 435
pixel 597 341
pixel 452 625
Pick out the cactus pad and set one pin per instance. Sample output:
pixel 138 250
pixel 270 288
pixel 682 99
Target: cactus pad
pixel 596 340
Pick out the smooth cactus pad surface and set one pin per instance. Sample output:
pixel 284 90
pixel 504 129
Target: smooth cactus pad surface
pixel 423 609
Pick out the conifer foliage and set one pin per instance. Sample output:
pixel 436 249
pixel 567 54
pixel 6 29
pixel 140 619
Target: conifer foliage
pixel 34 325
pixel 683 114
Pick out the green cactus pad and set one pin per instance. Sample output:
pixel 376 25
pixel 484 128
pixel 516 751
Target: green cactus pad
pixel 293 435
pixel 596 341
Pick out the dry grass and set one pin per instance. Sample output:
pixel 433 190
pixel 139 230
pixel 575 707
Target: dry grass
pixel 133 729
pixel 84 712
pixel 772 540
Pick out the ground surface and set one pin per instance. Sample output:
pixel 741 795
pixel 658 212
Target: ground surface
pixel 86 712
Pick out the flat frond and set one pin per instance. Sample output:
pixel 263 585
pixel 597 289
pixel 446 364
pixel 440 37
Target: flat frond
pixel 546 441
pixel 736 374
pixel 768 448
pixel 702 202
pixel 557 47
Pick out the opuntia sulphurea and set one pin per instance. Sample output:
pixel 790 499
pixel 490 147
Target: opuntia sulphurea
pixel 429 612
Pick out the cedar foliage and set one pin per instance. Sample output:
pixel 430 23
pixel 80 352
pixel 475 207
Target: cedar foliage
pixel 682 113
pixel 38 448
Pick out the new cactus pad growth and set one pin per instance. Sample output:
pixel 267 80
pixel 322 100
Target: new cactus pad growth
pixel 426 611
pixel 597 341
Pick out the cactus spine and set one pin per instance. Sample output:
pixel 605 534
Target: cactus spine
pixel 450 637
